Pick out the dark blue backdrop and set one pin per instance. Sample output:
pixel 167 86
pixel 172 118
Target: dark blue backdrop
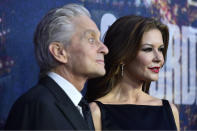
pixel 18 20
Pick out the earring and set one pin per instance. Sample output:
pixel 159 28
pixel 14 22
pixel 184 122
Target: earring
pixel 122 69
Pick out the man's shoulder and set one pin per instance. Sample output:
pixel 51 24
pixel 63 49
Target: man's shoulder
pixel 36 94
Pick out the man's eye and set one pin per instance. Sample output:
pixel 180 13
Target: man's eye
pixel 91 40
pixel 147 49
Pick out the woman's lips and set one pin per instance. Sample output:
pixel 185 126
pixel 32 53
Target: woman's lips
pixel 155 69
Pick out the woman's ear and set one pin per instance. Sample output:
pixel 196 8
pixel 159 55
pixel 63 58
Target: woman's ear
pixel 58 51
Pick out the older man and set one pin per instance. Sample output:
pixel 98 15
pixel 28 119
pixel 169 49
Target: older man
pixel 69 51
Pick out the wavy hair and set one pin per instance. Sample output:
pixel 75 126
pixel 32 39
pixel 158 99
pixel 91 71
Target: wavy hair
pixel 123 40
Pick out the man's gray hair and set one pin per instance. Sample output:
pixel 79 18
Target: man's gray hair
pixel 55 26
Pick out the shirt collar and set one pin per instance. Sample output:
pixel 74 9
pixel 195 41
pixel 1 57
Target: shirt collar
pixel 67 87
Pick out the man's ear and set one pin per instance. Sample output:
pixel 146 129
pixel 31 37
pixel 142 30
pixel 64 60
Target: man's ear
pixel 58 52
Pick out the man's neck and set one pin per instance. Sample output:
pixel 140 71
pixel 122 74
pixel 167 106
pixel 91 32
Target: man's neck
pixel 77 81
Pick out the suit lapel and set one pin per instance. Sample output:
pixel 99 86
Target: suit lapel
pixel 64 103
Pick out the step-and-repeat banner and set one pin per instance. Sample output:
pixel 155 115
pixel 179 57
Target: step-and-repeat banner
pixel 177 83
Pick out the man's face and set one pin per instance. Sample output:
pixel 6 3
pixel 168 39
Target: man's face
pixel 86 51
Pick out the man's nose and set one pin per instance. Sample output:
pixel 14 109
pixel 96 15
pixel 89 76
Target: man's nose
pixel 103 48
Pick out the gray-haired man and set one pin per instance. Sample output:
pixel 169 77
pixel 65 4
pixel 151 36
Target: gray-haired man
pixel 69 51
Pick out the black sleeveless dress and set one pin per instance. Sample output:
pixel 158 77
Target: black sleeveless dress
pixel 137 117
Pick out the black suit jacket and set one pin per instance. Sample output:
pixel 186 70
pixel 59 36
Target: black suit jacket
pixel 45 106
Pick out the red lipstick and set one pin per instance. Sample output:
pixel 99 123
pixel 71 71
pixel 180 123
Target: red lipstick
pixel 155 69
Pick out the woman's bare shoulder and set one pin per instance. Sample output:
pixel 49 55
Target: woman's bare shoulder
pixel 96 115
pixel 176 115
pixel 94 107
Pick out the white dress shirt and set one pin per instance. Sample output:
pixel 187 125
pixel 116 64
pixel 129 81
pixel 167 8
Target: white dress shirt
pixel 68 88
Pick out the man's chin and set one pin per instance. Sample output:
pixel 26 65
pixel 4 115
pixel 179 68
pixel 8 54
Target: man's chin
pixel 98 74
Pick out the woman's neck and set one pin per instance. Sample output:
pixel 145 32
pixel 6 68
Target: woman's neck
pixel 127 91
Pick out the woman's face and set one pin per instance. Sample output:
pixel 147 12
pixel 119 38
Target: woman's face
pixel 149 59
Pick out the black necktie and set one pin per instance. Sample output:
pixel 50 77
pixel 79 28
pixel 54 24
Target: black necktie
pixel 86 113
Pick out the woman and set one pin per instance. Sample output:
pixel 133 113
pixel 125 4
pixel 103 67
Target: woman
pixel 137 51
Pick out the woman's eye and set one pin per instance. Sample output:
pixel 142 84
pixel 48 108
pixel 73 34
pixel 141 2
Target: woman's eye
pixel 91 40
pixel 147 49
pixel 161 49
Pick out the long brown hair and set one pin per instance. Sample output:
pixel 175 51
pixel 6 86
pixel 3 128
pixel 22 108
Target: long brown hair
pixel 123 40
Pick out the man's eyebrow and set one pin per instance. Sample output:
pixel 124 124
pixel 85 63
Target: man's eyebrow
pixel 89 31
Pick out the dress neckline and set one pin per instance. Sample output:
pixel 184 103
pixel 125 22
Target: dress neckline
pixel 134 105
